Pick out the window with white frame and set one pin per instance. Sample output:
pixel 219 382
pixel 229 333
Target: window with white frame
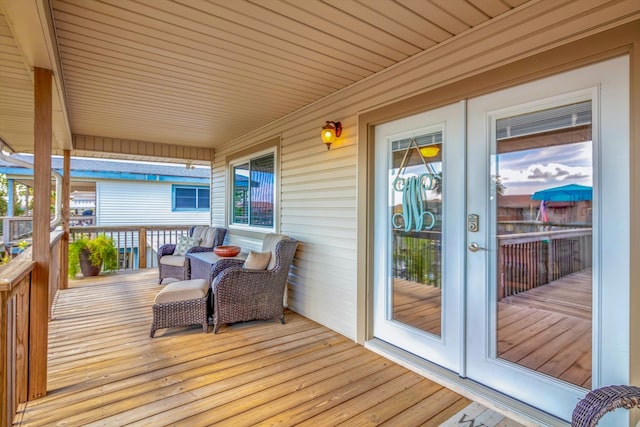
pixel 252 191
pixel 190 198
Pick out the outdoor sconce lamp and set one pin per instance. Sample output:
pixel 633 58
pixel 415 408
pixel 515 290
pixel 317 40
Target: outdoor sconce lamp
pixel 330 132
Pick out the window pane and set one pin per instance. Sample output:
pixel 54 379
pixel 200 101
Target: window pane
pixel 185 198
pixel 241 194
pixel 203 198
pixel 262 179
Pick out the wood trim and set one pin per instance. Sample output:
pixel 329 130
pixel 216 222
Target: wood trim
pixel 127 148
pixel 364 294
pixel 39 313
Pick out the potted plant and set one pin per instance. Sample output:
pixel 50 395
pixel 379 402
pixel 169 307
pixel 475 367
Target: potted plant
pixel 92 255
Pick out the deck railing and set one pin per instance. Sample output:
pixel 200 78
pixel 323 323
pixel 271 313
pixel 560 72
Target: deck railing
pixel 525 260
pixel 417 256
pixel 137 246
pixel 16 229
pixel 529 260
pixel 17 333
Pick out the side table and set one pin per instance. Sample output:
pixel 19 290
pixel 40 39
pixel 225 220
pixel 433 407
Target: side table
pixel 202 264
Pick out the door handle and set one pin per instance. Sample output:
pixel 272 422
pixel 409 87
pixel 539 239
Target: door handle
pixel 474 247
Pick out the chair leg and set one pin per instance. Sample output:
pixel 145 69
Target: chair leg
pixel 216 326
pixel 282 320
pixel 153 331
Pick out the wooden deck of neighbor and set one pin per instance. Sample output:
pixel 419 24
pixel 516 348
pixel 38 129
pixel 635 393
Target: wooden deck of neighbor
pixel 105 370
pixel 547 329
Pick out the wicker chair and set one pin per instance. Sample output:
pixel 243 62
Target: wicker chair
pixel 241 294
pixel 179 267
pixel 598 402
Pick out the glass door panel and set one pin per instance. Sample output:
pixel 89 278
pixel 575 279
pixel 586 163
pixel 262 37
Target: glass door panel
pixel 415 191
pixel 543 163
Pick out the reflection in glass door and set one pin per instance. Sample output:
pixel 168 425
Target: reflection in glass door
pixel 544 177
pixel 415 178
pixel 419 202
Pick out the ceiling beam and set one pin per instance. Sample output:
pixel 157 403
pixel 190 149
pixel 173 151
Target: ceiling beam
pixel 142 150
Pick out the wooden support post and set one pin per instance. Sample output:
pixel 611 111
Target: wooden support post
pixel 66 201
pixel 142 247
pixel 39 313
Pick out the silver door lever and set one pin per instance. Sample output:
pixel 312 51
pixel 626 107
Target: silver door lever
pixel 474 247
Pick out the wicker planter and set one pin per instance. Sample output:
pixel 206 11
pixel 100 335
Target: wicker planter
pixel 86 267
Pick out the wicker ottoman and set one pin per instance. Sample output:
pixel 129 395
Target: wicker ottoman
pixel 181 304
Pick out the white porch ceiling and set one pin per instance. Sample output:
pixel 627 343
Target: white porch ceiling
pixel 203 72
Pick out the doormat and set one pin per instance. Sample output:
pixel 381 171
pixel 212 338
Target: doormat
pixel 476 415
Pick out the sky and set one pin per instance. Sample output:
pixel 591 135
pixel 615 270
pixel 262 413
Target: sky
pixel 525 172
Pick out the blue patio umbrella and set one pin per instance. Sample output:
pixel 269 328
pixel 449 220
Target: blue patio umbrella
pixel 565 193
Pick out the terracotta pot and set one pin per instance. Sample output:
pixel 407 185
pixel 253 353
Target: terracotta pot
pixel 86 267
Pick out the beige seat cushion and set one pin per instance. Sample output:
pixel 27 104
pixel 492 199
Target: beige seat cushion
pixel 183 291
pixel 174 260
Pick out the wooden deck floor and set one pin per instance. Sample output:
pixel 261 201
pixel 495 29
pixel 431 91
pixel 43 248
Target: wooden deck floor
pixel 105 370
pixel 417 305
pixel 547 329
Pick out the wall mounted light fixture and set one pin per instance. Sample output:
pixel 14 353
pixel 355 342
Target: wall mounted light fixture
pixel 330 132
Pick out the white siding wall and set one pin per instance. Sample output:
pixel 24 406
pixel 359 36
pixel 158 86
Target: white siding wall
pixel 319 187
pixel 140 203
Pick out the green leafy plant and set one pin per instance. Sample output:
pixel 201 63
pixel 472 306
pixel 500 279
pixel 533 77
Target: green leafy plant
pixel 102 252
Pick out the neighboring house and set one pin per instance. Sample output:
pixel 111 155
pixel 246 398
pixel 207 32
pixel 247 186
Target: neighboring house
pixel 108 193
pixel 130 193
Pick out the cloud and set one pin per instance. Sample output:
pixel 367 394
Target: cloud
pixel 552 172
pixel 527 171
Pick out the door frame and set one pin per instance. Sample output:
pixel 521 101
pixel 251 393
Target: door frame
pixel 605 45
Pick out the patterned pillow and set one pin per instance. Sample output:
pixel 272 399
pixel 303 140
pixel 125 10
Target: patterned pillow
pixel 184 244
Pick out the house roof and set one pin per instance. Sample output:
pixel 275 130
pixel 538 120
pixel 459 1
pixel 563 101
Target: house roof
pixel 117 170
pixel 202 74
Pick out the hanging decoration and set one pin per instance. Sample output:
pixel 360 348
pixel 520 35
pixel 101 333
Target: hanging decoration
pixel 414 195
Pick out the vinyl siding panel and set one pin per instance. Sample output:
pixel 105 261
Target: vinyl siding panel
pixel 318 190
pixel 137 203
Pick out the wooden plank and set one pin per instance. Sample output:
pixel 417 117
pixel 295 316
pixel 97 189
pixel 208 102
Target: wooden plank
pixel 39 310
pixel 431 411
pixel 105 370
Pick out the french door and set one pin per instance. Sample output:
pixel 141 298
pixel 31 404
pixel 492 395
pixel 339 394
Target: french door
pixel 498 222
pixel 420 165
